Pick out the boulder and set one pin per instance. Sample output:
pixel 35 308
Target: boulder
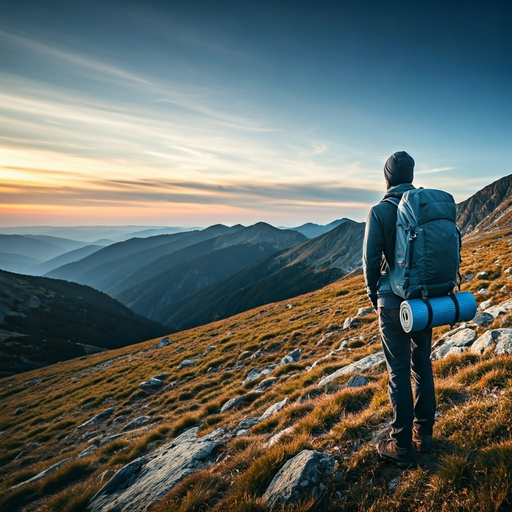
pixel 152 384
pixel 99 418
pixel 350 323
pixel 137 422
pixel 502 338
pixel 147 479
pixel 364 312
pixel 232 402
pixel 87 451
pixel 266 384
pixel 274 408
pixel 364 364
pixel 300 479
pixel 247 423
pixel 164 342
pixel 500 309
pixel 483 275
pixel 186 363
pixel 483 291
pixel 486 304
pixel 292 357
pixel 454 343
pixel 44 473
pixel 357 381
pixel 483 319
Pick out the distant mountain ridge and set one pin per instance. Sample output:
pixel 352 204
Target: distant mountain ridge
pixel 43 321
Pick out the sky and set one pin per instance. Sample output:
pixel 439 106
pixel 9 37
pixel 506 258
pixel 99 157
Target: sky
pixel 193 113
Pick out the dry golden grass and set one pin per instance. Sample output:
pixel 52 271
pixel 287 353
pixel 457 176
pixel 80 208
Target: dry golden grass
pixel 469 469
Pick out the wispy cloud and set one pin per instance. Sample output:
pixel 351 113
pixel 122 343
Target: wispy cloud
pixel 434 170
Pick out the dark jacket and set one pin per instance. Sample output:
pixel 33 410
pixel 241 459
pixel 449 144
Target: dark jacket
pixel 379 248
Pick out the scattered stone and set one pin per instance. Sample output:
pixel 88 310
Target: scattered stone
pixel 483 291
pixel 249 422
pixel 87 451
pixel 364 312
pixel 312 393
pixel 165 341
pixel 350 323
pixel 357 381
pixel 256 374
pixel 300 479
pixel 274 408
pixel 162 376
pixel 276 437
pixel 257 354
pixel 483 319
pixel 242 432
pixel 33 382
pixel 289 306
pixel 392 485
pixel 508 270
pixel 29 448
pixel 500 309
pixel 502 338
pixel 137 422
pixel 483 275
pixel 20 410
pixel 99 418
pixel 186 363
pixel 243 356
pixel 266 384
pixel 454 343
pixel 292 357
pixel 44 473
pixel 152 384
pixel 232 402
pixel 364 364
pixel 486 304
pixel 324 337
pixel 147 479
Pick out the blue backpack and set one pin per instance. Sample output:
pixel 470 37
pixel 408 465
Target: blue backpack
pixel 428 243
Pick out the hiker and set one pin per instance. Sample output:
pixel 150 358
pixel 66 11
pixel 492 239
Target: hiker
pixel 404 353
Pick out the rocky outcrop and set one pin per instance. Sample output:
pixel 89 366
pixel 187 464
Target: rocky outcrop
pixel 43 474
pixel 147 479
pixel 454 342
pixel 99 418
pixel 362 365
pixel 300 479
pixel 292 357
pixel 501 339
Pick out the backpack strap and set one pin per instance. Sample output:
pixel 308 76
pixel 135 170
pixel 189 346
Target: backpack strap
pixel 392 200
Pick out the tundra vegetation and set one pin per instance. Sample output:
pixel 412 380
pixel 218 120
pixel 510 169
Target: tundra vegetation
pixel 43 412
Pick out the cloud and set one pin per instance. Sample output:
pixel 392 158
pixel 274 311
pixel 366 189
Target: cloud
pixel 433 170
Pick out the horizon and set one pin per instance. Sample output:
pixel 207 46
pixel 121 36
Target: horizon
pixel 161 114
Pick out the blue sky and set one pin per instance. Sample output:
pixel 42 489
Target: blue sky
pixel 193 113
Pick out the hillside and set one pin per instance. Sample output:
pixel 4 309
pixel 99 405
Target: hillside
pixel 257 389
pixel 488 209
pixel 312 230
pixel 43 321
pixel 299 269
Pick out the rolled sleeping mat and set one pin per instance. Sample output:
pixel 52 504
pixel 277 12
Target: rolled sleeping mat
pixel 420 314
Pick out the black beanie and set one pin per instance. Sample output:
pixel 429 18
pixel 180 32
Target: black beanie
pixel 399 168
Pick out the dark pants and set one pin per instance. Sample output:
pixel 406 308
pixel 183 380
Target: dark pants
pixel 408 355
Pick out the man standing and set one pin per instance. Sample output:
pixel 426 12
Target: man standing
pixel 405 354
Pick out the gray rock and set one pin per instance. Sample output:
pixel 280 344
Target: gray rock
pixel 151 384
pixel 186 363
pixel 350 323
pixel 483 275
pixel 486 304
pixel 165 341
pixel 33 382
pixel 452 342
pixel 502 338
pixel 274 408
pixel 500 309
pixel 256 374
pixel 364 312
pixel 292 357
pixel 300 479
pixel 483 291
pixel 249 422
pixel 243 356
pixel 357 381
pixel 483 319
pixel 266 384
pixel 28 448
pixel 257 354
pixel 147 479
pixel 364 364
pixel 106 475
pixel 99 418
pixel 312 393
pixel 44 473
pixel 232 402
pixel 87 451
pixel 137 422
pixel 326 336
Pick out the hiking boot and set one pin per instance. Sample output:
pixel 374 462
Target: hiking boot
pixel 422 443
pixel 403 457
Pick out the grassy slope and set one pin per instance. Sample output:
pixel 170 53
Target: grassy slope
pixel 469 469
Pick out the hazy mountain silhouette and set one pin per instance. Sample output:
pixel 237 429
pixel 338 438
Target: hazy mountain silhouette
pixel 312 230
